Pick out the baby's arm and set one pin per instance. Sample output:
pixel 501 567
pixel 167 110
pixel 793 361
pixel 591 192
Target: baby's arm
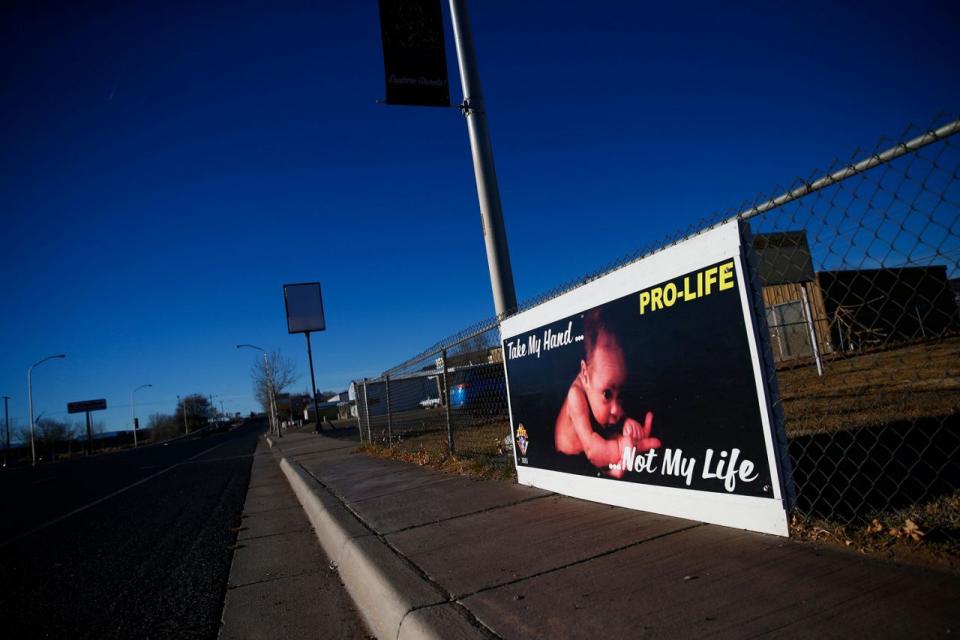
pixel 599 451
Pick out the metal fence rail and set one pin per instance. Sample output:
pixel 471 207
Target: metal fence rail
pixel 859 273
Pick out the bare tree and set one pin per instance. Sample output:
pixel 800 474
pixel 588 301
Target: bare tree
pixel 271 376
pixel 198 409
pixel 164 426
pixel 79 428
pixel 50 435
pixel 473 350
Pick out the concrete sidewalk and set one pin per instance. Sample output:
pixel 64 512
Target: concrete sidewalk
pixel 429 554
pixel 281 584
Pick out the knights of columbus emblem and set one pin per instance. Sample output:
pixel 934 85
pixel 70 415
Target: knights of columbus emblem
pixel 522 440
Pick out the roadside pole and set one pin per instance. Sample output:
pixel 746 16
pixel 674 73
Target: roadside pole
pixel 366 411
pixel 33 448
pixel 89 435
pixel 273 409
pixel 356 404
pixel 446 403
pixel 313 383
pixel 186 425
pixel 491 212
pixel 389 418
pixel 133 411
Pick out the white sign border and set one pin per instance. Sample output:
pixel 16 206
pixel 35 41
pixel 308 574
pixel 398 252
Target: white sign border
pixel 766 515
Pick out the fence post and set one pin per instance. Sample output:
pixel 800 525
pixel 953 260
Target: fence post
pixel 810 329
pixel 356 403
pixel 446 402
pixel 386 379
pixel 366 411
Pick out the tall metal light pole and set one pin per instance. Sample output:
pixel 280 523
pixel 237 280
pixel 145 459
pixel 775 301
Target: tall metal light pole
pixel 33 447
pixel 133 405
pixel 213 408
pixel 494 231
pixel 6 416
pixel 275 426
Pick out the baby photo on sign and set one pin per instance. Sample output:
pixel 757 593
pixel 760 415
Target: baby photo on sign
pixel 656 387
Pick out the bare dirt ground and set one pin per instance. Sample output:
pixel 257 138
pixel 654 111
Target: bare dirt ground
pixel 873 389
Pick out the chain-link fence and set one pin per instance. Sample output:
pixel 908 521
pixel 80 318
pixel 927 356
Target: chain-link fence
pixel 859 278
pixel 452 398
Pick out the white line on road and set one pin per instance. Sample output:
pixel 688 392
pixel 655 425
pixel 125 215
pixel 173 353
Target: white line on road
pixel 50 523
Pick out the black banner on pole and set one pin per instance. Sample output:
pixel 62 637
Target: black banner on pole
pixel 414 57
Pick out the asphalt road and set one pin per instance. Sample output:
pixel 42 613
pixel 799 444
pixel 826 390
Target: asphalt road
pixel 136 544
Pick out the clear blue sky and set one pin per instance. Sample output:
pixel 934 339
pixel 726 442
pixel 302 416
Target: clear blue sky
pixel 166 167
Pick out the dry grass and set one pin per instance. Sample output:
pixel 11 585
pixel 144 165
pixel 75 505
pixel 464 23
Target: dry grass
pixel 863 395
pixel 927 535
pixel 873 389
pixel 431 453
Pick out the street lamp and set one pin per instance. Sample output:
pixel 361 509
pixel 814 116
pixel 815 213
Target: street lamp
pixel 133 404
pixel 33 448
pixel 275 426
pixel 213 408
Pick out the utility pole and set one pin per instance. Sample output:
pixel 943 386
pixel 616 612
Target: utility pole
pixel 491 212
pixel 213 408
pixel 33 447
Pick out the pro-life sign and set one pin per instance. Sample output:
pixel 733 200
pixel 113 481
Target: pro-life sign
pixel 646 388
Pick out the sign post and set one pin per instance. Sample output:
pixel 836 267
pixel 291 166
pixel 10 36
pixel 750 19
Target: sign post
pixel 648 388
pixel 86 406
pixel 304 305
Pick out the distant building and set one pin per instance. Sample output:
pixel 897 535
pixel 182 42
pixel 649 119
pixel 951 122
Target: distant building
pixel 847 310
pixel 873 307
pixel 791 296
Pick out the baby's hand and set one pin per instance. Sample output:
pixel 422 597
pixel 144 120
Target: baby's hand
pixel 639 434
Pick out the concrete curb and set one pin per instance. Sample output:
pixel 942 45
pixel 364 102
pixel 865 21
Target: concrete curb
pixel 393 598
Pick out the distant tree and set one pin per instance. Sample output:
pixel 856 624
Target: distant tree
pixel 164 426
pixel 276 373
pixel 49 435
pixel 79 428
pixel 474 350
pixel 198 409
